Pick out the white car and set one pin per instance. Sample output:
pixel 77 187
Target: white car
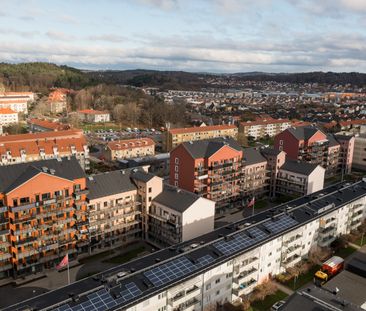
pixel 277 306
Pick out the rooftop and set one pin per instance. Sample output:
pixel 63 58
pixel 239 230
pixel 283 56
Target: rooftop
pixel 175 198
pixel 202 129
pixel 130 143
pixel 12 176
pixel 303 168
pixel 214 248
pixel 92 111
pixel 206 148
pixel 7 111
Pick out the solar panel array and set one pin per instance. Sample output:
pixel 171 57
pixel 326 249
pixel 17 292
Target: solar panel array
pixel 280 224
pixel 176 269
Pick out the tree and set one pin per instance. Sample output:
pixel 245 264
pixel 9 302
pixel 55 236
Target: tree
pixel 317 255
pixel 263 290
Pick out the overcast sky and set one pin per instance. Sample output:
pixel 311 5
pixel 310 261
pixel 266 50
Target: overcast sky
pixel 192 35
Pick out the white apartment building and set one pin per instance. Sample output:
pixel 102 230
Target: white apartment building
pixel 8 116
pixel 263 127
pixel 222 265
pixel 94 116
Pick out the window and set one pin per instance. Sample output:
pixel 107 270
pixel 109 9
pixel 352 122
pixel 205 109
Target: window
pixel 176 176
pixel 281 142
pixel 217 281
pixel 176 168
pixel 150 189
pixel 208 286
pixel 176 160
pixel 176 183
pixel 218 293
pixel 149 199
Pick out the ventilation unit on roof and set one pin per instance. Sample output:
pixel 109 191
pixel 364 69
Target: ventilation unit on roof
pixel 52 171
pixel 44 169
pixel 91 178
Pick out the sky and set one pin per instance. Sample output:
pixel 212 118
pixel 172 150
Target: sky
pixel 190 35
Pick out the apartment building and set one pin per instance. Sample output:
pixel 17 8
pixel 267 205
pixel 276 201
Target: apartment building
pixel 57 100
pixel 210 168
pixel 296 178
pixel 114 210
pixel 16 101
pixel 128 205
pixel 263 127
pixel 220 170
pixel 359 154
pixel 8 117
pixel 93 116
pixel 41 146
pixel 176 215
pixel 226 264
pixel 174 137
pixel 39 125
pixel 43 207
pixel 129 148
pixel 309 144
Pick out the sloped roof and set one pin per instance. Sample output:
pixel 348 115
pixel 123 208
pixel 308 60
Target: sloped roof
pixel 304 168
pixel 175 198
pixel 303 132
pixel 110 183
pixel 206 148
pixel 14 175
pixel 202 129
pixel 253 156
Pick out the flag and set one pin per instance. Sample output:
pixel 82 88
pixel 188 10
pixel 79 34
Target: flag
pixel 64 262
pixel 251 203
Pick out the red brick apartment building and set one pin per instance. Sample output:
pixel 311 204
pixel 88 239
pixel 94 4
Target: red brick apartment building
pixel 309 144
pixel 41 146
pixel 42 214
pixel 218 169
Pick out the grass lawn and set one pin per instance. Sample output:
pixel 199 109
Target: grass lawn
pixel 358 241
pixel 126 256
pixel 345 252
pixel 267 303
pixel 302 279
pixel 260 204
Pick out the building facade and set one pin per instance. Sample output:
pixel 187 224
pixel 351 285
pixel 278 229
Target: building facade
pixel 309 144
pixel 263 127
pixel 41 146
pixel 225 265
pixel 43 207
pixel 174 137
pixel 8 117
pixel 16 101
pixel 93 116
pixel 129 148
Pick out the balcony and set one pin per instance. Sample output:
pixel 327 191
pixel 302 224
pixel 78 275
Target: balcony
pixel 291 261
pixel 291 240
pixel 326 241
pixel 23 207
pixel 187 305
pixel 244 274
pixel 243 287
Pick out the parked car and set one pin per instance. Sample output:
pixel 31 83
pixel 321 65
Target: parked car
pixel 277 306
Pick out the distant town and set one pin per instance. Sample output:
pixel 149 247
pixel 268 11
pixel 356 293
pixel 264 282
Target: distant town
pixel 234 194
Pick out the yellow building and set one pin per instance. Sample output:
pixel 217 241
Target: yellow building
pixel 176 136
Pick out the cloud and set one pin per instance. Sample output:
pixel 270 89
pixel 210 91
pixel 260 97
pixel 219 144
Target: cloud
pixel 59 36
pixel 108 38
pixel 165 5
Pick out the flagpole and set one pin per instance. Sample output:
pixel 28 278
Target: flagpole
pixel 68 269
pixel 253 206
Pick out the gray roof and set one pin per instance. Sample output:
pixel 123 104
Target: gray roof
pixel 252 156
pixel 303 132
pixel 176 199
pixel 208 147
pixel 110 183
pixel 13 176
pixel 316 299
pixel 142 175
pixel 332 140
pixel 299 167
pixel 270 152
pixel 343 137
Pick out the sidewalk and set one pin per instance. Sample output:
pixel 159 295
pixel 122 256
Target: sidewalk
pixel 283 288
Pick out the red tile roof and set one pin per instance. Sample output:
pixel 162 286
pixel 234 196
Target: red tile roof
pixel 201 129
pixel 92 111
pixel 352 122
pixel 7 111
pixel 74 133
pixel 130 143
pixel 56 126
pixel 264 121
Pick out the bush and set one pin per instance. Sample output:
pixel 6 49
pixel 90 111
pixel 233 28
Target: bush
pixel 262 290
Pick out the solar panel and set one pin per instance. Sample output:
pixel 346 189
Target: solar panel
pixel 130 292
pixel 170 271
pixel 204 261
pixel 238 242
pixel 257 234
pixel 280 224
